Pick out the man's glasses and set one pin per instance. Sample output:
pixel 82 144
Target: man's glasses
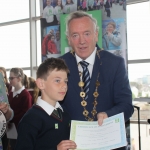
pixel 11 78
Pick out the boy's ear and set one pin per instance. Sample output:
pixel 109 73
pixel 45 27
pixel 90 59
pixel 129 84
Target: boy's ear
pixel 40 83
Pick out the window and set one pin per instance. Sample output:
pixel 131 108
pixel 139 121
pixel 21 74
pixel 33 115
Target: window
pixel 13 10
pixel 15 45
pixel 138 31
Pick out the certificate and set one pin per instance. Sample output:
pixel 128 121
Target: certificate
pixel 90 136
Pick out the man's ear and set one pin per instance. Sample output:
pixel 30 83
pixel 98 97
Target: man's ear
pixel 40 83
pixel 96 36
pixel 68 40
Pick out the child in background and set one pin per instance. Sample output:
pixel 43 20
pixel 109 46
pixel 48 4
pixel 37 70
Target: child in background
pixel 70 7
pixel 46 126
pixel 20 99
pixel 90 4
pixel 84 5
pixel 48 12
pixel 58 10
pixel 33 89
pixel 52 48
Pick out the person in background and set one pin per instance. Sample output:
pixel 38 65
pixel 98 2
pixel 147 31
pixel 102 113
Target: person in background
pixel 57 41
pixel 111 39
pixel 95 5
pixel 69 7
pixel 33 89
pixel 46 126
pixel 98 4
pixel 98 81
pixel 107 5
pixel 5 108
pixel 8 86
pixel 84 5
pixel 20 99
pixel 48 12
pixel 80 5
pixel 101 4
pixel 90 4
pixel 52 48
pixel 45 44
pixel 58 10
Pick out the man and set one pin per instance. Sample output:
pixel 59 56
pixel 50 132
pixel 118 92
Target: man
pixel 57 41
pixel 107 93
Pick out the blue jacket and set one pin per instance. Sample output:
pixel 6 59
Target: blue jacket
pixel 114 91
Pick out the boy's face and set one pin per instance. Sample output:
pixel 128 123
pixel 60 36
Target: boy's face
pixel 55 87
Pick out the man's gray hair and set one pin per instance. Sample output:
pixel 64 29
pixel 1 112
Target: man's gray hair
pixel 79 14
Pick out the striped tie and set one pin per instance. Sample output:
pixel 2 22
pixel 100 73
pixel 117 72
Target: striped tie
pixel 85 77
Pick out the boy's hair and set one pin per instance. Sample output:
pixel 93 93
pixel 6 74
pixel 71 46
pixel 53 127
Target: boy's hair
pixel 49 65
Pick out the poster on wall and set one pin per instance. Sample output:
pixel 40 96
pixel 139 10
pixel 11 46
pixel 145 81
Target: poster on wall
pixel 64 43
pixel 52 9
pixel 114 36
pixel 51 42
pixel 114 27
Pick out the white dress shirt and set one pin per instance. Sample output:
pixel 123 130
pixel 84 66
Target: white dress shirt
pixel 90 60
pixel 46 106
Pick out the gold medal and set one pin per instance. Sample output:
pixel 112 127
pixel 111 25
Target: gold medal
pixel 85 112
pixel 94 112
pixel 82 94
pixel 95 94
pixel 83 103
pixel 97 83
pixel 81 84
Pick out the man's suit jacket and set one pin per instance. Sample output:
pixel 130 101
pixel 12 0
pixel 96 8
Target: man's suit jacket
pixel 114 91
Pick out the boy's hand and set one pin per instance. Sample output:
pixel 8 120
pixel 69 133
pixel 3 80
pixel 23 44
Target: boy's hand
pixel 66 145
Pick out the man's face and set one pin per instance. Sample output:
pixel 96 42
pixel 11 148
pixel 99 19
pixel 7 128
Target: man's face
pixel 82 36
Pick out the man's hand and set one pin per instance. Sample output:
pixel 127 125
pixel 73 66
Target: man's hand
pixel 66 144
pixel 100 117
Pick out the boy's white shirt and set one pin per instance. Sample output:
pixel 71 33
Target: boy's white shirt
pixel 46 106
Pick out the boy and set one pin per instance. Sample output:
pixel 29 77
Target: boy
pixel 45 125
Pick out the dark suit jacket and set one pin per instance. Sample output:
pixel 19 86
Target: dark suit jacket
pixel 114 91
